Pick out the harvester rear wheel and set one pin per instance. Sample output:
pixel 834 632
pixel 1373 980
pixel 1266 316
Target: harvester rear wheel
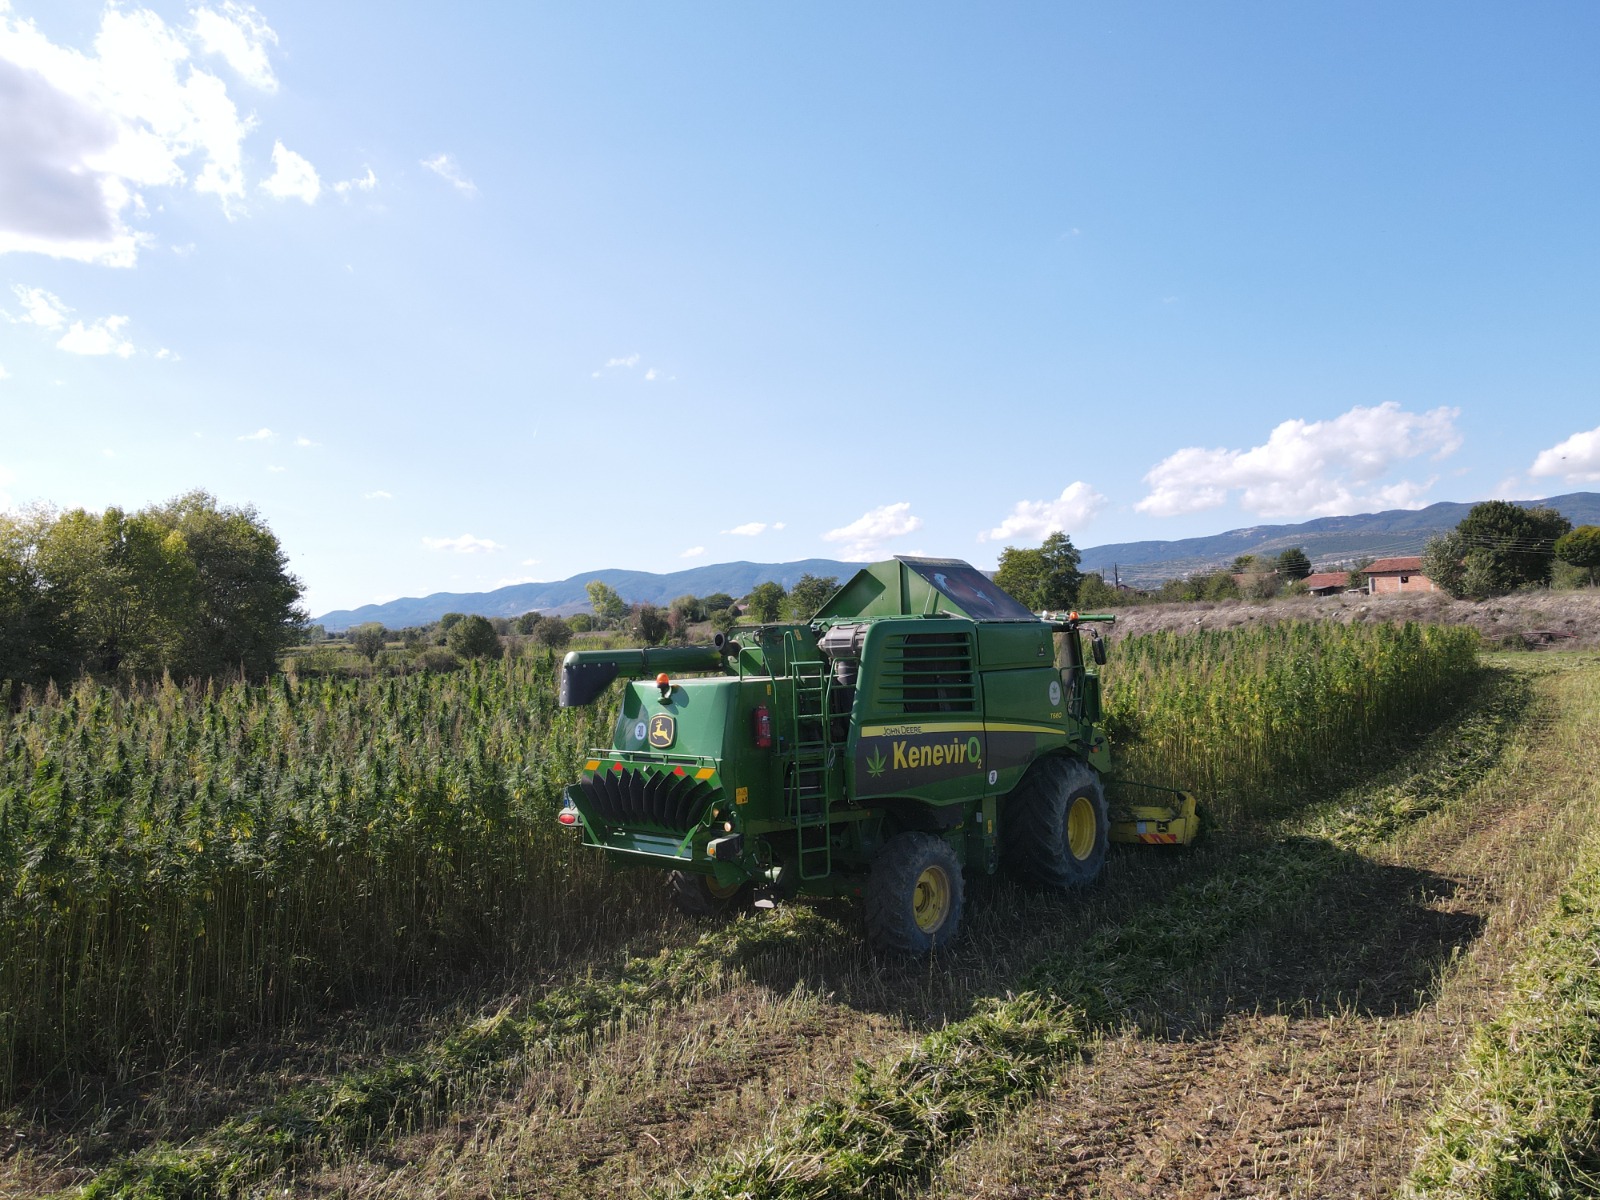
pixel 697 895
pixel 914 894
pixel 1055 828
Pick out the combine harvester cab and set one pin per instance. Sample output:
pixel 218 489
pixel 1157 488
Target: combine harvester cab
pixel 922 725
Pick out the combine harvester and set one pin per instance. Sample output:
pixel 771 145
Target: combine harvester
pixel 919 726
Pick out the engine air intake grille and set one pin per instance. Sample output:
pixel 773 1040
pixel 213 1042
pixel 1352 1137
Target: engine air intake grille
pixel 928 673
pixel 647 799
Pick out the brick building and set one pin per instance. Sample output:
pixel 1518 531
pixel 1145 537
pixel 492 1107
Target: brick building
pixel 1397 575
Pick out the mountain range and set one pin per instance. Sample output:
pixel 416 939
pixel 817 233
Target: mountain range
pixel 1330 541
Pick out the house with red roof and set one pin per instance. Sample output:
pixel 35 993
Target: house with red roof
pixel 1397 575
pixel 1328 583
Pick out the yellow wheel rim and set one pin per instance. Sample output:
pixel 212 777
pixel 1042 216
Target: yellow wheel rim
pixel 1081 828
pixel 930 904
pixel 718 890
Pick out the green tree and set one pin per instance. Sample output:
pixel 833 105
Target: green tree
pixel 1246 564
pixel 809 593
pixel 553 632
pixel 684 612
pixel 124 586
pixel 1497 548
pixel 766 601
pixel 1358 576
pixel 580 622
pixel 368 640
pixel 1219 585
pixel 1094 593
pixel 650 624
pixel 450 620
pixel 724 621
pixel 1020 574
pixel 243 604
pixel 716 602
pixel 1061 574
pixel 34 641
pixel 692 608
pixel 473 637
pixel 1581 548
pixel 1293 563
pixel 609 607
pixel 1046 578
pixel 528 622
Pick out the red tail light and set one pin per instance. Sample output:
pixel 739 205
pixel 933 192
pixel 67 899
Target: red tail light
pixel 763 727
pixel 568 816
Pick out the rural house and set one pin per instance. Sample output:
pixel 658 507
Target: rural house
pixel 1328 583
pixel 1397 575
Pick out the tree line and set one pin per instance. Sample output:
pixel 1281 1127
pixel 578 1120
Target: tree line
pixel 190 587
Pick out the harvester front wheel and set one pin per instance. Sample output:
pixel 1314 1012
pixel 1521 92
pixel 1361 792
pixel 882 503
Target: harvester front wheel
pixel 1055 827
pixel 914 894
pixel 696 895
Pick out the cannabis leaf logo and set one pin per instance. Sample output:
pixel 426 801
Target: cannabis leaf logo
pixel 876 764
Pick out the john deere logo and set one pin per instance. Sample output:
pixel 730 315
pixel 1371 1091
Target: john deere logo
pixel 662 730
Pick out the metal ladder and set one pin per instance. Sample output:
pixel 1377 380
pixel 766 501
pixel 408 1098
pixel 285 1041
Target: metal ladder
pixel 806 786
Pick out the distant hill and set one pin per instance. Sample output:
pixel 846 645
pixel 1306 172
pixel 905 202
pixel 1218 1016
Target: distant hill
pixel 1331 541
pixel 567 595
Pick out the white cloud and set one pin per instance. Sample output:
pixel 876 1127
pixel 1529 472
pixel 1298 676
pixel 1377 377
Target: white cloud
pixel 277 470
pixel 261 435
pixel 103 337
pixel 530 562
pixel 1308 468
pixel 465 544
pixel 40 308
pixel 82 134
pixel 447 169
pixel 294 178
pixel 694 552
pixel 752 528
pixel 380 494
pixel 1037 519
pixel 365 184
pixel 240 36
pixel 650 376
pixel 1577 459
pixel 304 441
pixel 864 537
pixel 166 355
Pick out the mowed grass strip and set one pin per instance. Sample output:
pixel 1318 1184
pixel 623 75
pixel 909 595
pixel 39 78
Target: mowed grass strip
pixel 1522 1117
pixel 372 1106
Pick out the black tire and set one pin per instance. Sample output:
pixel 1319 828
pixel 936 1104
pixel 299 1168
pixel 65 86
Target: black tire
pixel 1045 838
pixel 696 895
pixel 914 894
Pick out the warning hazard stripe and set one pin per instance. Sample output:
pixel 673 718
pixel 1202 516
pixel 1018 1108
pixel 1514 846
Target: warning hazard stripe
pixel 1163 839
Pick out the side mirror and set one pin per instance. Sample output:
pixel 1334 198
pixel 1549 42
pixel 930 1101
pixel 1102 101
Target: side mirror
pixel 1097 648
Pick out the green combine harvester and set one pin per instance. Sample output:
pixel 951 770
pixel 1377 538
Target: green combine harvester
pixel 922 725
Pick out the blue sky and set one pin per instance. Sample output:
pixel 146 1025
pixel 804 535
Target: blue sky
pixel 465 295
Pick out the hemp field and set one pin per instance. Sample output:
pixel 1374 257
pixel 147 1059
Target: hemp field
pixel 1303 1005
